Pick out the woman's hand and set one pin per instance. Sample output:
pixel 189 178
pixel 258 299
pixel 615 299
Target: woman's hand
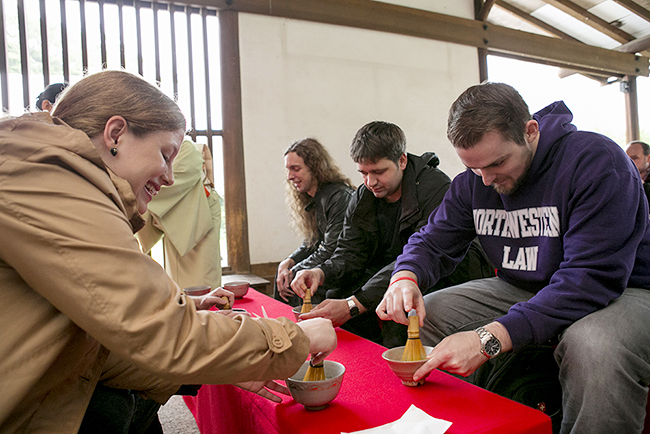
pixel 322 337
pixel 264 388
pixel 205 302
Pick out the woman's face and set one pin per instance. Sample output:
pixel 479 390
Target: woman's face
pixel 146 162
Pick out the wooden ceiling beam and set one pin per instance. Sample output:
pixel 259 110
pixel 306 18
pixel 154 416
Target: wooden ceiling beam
pixel 584 71
pixel 635 46
pixel 635 7
pixel 485 10
pixel 386 17
pixel 534 21
pixel 640 45
pixel 590 19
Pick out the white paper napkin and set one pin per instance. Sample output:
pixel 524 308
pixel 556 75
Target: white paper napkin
pixel 413 421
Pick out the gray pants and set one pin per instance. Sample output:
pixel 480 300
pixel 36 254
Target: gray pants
pixel 604 358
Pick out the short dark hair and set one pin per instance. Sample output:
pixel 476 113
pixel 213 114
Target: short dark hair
pixel 377 140
pixel 644 146
pixel 485 108
pixel 50 93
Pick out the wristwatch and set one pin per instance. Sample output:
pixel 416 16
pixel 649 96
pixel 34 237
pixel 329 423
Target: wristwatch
pixel 354 310
pixel 490 345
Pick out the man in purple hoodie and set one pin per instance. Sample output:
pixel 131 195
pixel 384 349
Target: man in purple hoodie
pixel 562 216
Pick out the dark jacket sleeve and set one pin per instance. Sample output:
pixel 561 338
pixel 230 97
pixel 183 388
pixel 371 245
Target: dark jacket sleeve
pixel 354 249
pixel 372 292
pixel 334 207
pixel 302 252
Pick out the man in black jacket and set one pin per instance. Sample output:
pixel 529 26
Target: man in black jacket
pixel 398 194
pixel 318 193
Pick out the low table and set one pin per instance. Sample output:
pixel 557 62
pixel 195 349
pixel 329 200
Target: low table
pixel 371 395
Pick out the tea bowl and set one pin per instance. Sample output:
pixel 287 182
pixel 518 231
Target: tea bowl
pixel 197 291
pixel 316 395
pixel 404 370
pixel 296 311
pixel 239 287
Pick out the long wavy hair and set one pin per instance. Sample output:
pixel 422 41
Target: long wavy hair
pixel 324 170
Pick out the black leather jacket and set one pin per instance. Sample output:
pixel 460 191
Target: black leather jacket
pixel 356 267
pixel 329 204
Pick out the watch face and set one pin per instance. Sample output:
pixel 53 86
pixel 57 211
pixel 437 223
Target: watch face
pixel 492 347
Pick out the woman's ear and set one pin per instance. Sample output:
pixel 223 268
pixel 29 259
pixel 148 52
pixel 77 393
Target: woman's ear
pixel 115 127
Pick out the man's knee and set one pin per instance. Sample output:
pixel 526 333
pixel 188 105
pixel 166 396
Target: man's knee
pixel 440 307
pixel 584 341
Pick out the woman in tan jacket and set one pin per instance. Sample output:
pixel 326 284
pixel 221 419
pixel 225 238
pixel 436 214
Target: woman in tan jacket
pixel 79 302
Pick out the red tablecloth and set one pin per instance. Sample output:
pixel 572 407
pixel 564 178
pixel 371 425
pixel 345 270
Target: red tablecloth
pixel 371 395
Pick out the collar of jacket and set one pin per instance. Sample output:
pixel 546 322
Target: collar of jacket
pixel 364 214
pixel 322 190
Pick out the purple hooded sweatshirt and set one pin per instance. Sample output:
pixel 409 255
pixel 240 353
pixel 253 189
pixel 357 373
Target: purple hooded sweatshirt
pixel 576 232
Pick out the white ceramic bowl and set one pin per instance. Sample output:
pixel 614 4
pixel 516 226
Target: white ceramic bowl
pixel 316 395
pixel 404 370
pixel 239 288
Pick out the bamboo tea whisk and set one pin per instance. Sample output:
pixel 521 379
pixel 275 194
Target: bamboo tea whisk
pixel 306 302
pixel 413 349
pixel 315 372
pixel 227 305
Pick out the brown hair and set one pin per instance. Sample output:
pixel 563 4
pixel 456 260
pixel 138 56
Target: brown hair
pixel 90 103
pixel 324 170
pixel 377 140
pixel 485 108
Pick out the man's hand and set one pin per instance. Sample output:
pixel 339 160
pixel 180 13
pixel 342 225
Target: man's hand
pixel 461 354
pixel 285 276
pixel 458 354
pixel 205 302
pixel 263 389
pixel 400 298
pixel 312 279
pixel 322 338
pixel 336 311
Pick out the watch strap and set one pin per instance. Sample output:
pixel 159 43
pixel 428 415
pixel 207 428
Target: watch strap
pixel 354 310
pixel 485 337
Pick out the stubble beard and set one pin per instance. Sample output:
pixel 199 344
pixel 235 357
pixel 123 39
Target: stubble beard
pixel 517 183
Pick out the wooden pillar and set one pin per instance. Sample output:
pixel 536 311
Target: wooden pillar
pixel 233 145
pixel 482 65
pixel 628 86
pixel 481 12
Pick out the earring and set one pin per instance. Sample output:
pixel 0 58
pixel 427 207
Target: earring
pixel 114 149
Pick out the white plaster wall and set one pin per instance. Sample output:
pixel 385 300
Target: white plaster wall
pixel 304 79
